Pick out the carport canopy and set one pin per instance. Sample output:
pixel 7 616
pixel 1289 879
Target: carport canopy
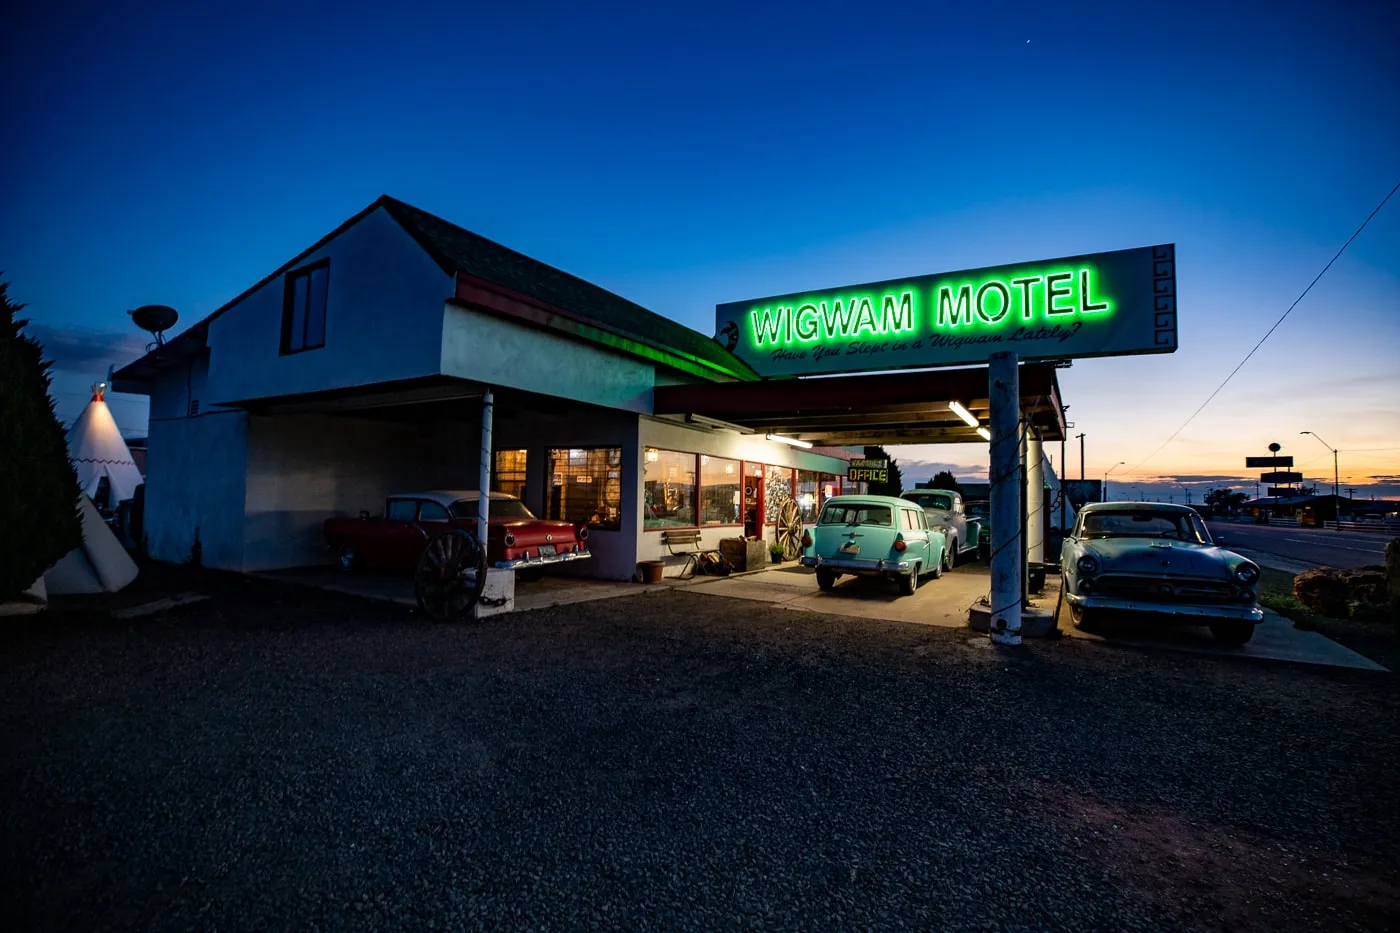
pixel 855 410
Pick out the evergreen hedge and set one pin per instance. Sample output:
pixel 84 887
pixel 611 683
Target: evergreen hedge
pixel 39 519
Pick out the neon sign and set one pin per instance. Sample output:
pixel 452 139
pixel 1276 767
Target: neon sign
pixel 1104 304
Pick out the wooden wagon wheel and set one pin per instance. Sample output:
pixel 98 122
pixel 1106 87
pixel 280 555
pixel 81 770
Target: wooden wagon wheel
pixel 790 529
pixel 450 575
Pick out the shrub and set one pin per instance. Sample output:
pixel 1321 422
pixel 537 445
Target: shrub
pixel 39 508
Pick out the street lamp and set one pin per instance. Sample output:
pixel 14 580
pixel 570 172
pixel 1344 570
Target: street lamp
pixel 1336 494
pixel 1105 477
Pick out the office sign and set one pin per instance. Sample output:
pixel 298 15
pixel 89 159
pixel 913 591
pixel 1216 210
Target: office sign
pixel 1269 462
pixel 1281 476
pixel 1101 304
pixel 868 471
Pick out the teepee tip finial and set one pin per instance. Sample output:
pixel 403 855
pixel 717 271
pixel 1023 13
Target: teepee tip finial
pixel 99 389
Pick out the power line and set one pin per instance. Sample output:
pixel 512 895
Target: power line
pixel 1270 331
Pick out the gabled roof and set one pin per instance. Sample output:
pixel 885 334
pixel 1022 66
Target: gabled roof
pixel 459 251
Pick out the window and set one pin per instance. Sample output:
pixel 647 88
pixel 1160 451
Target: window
pixel 1175 526
pixel 831 486
pixel 719 491
pixel 401 510
pixel 585 486
pixel 778 490
pixel 911 520
pixel 858 513
pixel 431 512
pixel 304 308
pixel 668 489
pixel 930 499
pixel 509 475
pixel 807 495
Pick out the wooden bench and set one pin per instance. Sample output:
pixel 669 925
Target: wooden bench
pixel 689 541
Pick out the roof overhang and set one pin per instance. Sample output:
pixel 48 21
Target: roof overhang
pixel 885 408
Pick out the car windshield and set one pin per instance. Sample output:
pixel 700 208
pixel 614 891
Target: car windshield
pixel 1176 526
pixel 931 500
pixel 978 507
pixel 499 508
pixel 857 513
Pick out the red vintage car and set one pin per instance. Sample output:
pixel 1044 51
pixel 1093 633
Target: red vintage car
pixel 394 540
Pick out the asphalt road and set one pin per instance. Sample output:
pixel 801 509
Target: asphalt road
pixel 1318 547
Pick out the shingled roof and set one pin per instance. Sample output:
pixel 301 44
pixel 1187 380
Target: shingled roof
pixel 456 250
pixel 459 250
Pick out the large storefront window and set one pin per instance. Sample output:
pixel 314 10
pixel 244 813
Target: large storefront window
pixel 668 489
pixel 831 486
pixel 778 490
pixel 807 495
pixel 719 491
pixel 585 486
pixel 509 476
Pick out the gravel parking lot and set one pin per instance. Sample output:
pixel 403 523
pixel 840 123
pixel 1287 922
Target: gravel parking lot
pixel 282 758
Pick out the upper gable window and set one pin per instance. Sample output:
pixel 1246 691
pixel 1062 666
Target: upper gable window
pixel 304 308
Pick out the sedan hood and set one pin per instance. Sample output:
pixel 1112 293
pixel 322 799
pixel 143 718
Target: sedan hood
pixel 1147 555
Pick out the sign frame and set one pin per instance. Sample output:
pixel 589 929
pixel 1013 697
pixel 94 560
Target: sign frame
pixel 868 471
pixel 1114 303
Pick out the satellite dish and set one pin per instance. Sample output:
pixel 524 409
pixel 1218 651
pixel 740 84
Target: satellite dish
pixel 155 318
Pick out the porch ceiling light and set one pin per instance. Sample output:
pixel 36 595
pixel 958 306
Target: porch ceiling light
pixel 788 440
pixel 984 434
pixel 963 413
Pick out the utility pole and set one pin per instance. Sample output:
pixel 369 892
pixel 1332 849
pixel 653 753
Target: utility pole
pixel 1336 491
pixel 1080 435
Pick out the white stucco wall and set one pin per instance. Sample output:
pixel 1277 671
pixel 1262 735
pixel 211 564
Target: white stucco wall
pixel 668 435
pixel 501 352
pixel 383 321
pixel 195 480
pixel 303 469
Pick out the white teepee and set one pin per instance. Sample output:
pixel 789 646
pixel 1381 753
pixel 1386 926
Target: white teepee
pixel 96 448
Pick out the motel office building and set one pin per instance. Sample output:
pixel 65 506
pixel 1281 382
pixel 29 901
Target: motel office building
pixel 357 370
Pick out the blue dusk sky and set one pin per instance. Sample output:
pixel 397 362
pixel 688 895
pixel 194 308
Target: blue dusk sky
pixel 688 154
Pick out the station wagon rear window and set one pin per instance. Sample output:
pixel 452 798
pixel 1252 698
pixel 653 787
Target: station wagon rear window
pixel 857 513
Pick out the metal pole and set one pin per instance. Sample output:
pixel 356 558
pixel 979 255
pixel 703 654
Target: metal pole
pixel 1025 548
pixel 483 504
pixel 1064 465
pixel 1081 456
pixel 1004 392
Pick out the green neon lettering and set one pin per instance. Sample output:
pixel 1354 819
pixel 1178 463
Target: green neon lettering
pixel 1004 307
pixel 1052 293
pixel 805 324
pixel 951 314
pixel 1026 285
pixel 836 320
pixel 1086 302
pixel 865 317
pixel 901 317
pixel 770 323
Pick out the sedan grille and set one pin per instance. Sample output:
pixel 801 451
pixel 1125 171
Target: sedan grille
pixel 1166 589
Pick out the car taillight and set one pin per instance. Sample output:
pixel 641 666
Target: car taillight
pixel 806 539
pixel 899 544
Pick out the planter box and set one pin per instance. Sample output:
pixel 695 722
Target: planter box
pixel 744 553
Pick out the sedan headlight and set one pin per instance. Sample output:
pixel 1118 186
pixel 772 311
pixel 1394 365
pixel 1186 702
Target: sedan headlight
pixel 1088 565
pixel 1246 573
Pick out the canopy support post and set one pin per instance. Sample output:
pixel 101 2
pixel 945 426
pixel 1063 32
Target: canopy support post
pixel 1007 544
pixel 483 506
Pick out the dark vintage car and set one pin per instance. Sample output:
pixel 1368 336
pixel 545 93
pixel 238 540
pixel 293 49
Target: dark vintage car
pixel 1157 558
pixel 394 540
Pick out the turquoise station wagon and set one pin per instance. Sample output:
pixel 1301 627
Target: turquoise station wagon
pixel 873 536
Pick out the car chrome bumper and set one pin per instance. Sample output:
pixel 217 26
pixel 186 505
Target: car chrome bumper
pixel 1196 610
pixel 542 561
pixel 850 565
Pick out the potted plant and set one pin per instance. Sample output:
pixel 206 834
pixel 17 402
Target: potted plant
pixel 776 552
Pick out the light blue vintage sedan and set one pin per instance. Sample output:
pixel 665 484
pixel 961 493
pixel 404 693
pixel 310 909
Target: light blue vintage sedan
pixel 1152 557
pixel 873 536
